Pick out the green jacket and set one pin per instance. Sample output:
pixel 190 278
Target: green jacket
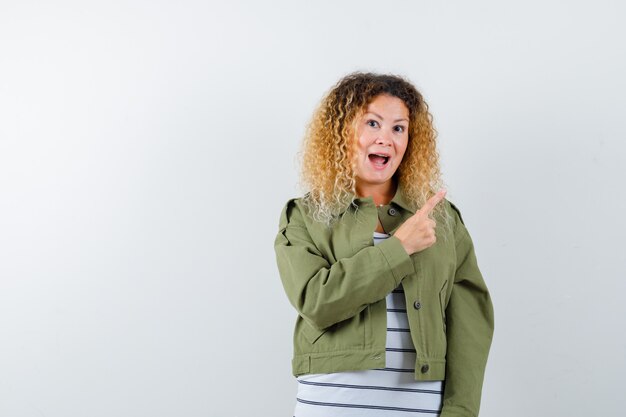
pixel 337 280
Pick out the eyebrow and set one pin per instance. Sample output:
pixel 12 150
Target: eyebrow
pixel 382 118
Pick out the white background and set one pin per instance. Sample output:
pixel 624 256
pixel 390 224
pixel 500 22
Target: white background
pixel 147 147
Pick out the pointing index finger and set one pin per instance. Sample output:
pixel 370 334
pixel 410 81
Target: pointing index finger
pixel 432 201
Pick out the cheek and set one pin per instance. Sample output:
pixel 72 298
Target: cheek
pixel 401 147
pixel 361 145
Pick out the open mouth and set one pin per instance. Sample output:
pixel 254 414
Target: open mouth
pixel 378 160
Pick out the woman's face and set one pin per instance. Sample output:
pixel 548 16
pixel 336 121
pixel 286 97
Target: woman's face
pixel 383 130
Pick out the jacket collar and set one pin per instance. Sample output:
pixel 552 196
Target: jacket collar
pixel 398 199
pixel 401 200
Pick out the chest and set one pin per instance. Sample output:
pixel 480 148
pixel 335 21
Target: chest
pixel 355 232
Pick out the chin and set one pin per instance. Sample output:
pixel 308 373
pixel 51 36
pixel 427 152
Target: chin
pixel 377 180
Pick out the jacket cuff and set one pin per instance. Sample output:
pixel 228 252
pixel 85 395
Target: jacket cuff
pixel 399 261
pixel 452 411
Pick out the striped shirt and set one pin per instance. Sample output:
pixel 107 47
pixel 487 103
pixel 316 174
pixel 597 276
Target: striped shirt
pixel 388 391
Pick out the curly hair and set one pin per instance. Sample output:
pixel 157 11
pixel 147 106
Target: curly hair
pixel 328 150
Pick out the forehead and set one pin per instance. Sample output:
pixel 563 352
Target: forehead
pixel 387 105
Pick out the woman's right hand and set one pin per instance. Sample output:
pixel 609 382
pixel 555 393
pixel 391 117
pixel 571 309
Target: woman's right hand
pixel 418 231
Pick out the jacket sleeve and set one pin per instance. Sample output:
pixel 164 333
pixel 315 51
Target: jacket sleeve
pixel 325 294
pixel 470 326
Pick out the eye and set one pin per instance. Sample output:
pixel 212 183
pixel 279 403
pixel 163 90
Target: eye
pixel 400 128
pixel 372 123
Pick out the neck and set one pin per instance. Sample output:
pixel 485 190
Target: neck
pixel 380 193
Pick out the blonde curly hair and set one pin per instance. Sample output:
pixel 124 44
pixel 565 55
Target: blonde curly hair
pixel 327 156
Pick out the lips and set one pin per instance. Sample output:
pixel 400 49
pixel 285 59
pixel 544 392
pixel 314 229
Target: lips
pixel 379 160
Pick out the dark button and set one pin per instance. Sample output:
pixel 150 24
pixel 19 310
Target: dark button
pixel 425 368
pixel 417 305
pixel 392 211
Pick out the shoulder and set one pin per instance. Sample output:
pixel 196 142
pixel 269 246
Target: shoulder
pixel 292 213
pixel 455 210
pixel 457 222
pixel 461 234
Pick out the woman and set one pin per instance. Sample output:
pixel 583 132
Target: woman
pixel 394 317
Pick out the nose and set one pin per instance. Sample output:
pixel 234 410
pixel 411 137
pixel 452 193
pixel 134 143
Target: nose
pixel 384 138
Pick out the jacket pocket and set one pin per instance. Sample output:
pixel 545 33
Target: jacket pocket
pixel 442 303
pixel 310 333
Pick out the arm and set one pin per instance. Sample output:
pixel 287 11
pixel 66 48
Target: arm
pixel 325 294
pixel 470 326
